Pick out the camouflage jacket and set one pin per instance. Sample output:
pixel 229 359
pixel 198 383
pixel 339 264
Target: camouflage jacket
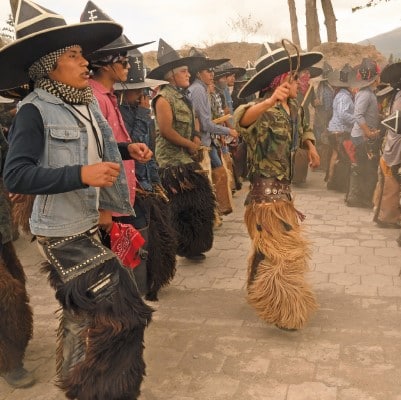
pixel 168 153
pixel 271 141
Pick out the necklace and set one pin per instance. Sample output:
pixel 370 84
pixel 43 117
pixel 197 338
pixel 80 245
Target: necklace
pixel 95 132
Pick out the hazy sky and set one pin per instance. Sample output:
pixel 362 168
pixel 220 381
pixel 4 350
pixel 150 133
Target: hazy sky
pixel 203 23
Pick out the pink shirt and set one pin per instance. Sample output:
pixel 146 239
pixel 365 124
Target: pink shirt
pixel 109 107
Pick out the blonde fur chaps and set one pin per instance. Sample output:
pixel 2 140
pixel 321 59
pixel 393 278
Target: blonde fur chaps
pixel 277 288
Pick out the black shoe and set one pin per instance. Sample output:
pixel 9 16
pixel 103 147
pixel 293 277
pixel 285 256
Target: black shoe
pixel 286 329
pixel 19 378
pixel 196 257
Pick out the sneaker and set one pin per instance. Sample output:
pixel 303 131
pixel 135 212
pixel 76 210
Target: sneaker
pixel 19 378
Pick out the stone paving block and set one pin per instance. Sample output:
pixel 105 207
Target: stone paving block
pixel 311 391
pixel 360 251
pixel 390 291
pixel 266 390
pixel 377 280
pixel 388 251
pixel 330 268
pixel 346 259
pixel 328 375
pixel 346 242
pixel 229 283
pixel 361 290
pixel 319 351
pixel 360 269
pixel 354 394
pixel 332 288
pixel 216 387
pixel 343 278
pixel 316 277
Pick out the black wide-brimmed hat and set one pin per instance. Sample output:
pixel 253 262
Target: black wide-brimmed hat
pixel 273 63
pixel 346 77
pixel 17 93
pixel 122 44
pixel 136 74
pixel 314 72
pixel 227 69
pixel 366 72
pixel 392 74
pixel 169 59
pixel 203 61
pixel 40 31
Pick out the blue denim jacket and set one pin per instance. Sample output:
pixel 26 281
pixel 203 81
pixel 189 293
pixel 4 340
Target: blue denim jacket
pixel 139 126
pixel 66 143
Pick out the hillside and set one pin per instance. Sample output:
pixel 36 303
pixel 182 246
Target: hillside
pixel 239 53
pixel 388 43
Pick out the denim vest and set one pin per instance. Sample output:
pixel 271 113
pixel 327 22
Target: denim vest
pixel 66 143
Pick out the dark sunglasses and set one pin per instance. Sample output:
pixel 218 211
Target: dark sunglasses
pixel 124 63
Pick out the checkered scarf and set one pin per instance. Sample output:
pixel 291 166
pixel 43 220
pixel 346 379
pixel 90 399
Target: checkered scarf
pixel 39 71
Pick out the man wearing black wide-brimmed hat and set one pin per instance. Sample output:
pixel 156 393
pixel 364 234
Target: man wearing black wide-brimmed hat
pixel 153 216
pixel 110 65
pixel 339 128
pixel 202 76
pixel 177 144
pixel 273 129
pixel 365 136
pixel 63 151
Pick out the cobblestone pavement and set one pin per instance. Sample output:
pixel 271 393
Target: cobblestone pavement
pixel 206 343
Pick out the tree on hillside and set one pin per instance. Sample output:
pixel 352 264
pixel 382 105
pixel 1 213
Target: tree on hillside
pixel 294 23
pixel 370 3
pixel 312 22
pixel 247 26
pixel 330 20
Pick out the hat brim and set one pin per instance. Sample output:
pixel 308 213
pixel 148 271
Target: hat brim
pixel 18 56
pixel 385 91
pixel 334 79
pixel 160 71
pixel 147 83
pixel 116 49
pixel 362 83
pixel 263 77
pixel 206 63
pixel 17 93
pixel 315 72
pixel 237 71
pixel 5 100
pixel 391 74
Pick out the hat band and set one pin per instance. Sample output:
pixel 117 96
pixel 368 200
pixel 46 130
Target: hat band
pixel 270 59
pixel 344 76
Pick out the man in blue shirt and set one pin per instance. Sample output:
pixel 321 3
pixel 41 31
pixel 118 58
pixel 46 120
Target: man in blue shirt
pixel 198 94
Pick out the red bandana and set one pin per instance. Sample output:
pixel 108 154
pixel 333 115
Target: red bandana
pixel 126 242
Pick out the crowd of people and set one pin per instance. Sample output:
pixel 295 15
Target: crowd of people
pixel 119 170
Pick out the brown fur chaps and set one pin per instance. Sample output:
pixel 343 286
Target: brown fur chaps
pixel 16 321
pixel 277 288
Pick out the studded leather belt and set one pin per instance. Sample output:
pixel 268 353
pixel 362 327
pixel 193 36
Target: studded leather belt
pixel 267 190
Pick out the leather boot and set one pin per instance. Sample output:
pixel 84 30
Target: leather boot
pixel 223 192
pixel 353 197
